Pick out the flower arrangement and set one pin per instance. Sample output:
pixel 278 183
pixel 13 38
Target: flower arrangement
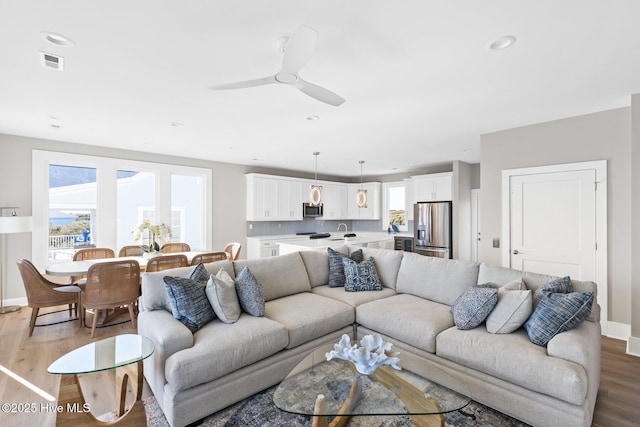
pixel 159 234
pixel 372 353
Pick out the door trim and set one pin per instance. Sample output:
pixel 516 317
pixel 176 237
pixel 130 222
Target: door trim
pixel 600 167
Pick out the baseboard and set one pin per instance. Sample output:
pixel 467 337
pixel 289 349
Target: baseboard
pixel 620 331
pixel 16 301
pixel 633 346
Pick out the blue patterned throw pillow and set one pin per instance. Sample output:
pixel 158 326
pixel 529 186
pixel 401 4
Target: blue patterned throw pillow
pixel 200 274
pixel 249 291
pixel 361 276
pixel 556 313
pixel 561 285
pixel 471 308
pixel 189 303
pixel 336 269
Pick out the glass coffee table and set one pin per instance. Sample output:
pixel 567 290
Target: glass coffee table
pixel 324 389
pixel 125 354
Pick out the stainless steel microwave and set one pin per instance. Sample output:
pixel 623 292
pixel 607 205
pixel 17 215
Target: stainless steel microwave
pixel 310 211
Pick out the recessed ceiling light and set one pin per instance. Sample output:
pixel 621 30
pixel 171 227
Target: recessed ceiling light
pixel 54 126
pixel 502 43
pixel 57 39
pixel 313 117
pixel 176 124
pixel 466 150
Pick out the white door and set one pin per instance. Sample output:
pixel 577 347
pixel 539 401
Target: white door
pixel 553 223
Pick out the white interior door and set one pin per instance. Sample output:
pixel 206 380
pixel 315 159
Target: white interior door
pixel 553 228
pixel 555 222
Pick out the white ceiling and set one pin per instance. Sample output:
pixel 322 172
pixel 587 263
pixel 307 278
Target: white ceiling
pixel 420 82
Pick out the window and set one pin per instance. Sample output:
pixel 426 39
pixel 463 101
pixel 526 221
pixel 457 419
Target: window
pixel 96 201
pixel 394 205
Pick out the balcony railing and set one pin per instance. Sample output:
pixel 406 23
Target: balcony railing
pixel 67 241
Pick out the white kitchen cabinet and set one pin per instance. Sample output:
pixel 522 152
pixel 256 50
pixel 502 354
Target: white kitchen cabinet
pixel 373 209
pixel 289 200
pixel 334 196
pixel 432 187
pixel 270 198
pixel 262 198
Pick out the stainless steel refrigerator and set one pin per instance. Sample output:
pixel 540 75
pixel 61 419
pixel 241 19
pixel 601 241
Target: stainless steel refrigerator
pixel 432 229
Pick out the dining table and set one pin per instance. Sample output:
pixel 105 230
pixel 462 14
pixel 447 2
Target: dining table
pixel 80 268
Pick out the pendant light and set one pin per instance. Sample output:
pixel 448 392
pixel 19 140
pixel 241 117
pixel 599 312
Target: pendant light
pixel 361 195
pixel 315 194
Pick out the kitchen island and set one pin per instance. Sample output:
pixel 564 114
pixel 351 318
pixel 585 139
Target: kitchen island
pixel 364 239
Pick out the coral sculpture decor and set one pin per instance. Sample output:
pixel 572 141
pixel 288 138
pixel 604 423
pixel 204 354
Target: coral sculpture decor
pixel 372 353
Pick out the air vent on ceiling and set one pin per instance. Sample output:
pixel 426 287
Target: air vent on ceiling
pixel 49 60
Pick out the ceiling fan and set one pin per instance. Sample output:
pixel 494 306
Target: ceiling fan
pixel 296 53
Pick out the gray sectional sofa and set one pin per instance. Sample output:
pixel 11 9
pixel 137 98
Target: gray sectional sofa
pixel 196 374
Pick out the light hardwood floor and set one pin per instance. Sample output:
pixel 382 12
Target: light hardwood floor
pixel 618 402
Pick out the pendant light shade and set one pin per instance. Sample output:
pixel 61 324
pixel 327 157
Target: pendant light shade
pixel 315 193
pixel 361 195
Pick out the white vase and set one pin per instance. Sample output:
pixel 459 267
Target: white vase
pixel 149 255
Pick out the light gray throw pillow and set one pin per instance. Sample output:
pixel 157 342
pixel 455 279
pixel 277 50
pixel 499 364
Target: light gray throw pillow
pixel 511 311
pixel 221 293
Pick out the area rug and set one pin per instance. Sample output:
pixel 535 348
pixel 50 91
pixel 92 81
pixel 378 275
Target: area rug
pixel 259 411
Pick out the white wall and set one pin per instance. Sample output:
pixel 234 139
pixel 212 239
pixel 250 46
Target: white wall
pixel 605 135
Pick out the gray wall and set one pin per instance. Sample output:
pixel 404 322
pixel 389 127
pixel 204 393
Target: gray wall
pixel 605 135
pixel 635 225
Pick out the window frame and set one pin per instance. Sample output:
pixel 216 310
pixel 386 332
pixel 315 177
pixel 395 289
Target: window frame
pixel 385 204
pixel 106 188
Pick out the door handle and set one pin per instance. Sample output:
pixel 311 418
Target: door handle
pixel 515 252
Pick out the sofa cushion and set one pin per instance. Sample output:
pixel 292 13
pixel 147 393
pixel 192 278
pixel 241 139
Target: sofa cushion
pixel 512 310
pixel 498 275
pixel 154 296
pixel 515 359
pixel 221 293
pixel 407 318
pixel 472 307
pixel 249 291
pixel 308 316
pixel 280 275
pixel 387 264
pixel 435 279
pixel 354 299
pixel 317 265
pixel 336 268
pixel 556 313
pixel 221 348
pixel 189 303
pixel 360 276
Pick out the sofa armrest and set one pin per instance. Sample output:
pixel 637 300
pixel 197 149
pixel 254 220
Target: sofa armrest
pixel 579 345
pixel 168 334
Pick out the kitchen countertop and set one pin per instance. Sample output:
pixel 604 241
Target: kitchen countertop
pixel 336 239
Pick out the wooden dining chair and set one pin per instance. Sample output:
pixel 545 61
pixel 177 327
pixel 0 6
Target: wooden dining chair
pixel 130 251
pixel 111 285
pixel 164 262
pixel 169 248
pixel 43 293
pixel 209 257
pixel 233 249
pixel 90 253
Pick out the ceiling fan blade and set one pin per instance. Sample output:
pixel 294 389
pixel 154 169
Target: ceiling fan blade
pixel 247 83
pixel 299 48
pixel 319 93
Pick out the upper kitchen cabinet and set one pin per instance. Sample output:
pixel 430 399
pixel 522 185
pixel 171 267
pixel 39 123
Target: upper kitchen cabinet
pixel 432 187
pixel 290 199
pixel 334 200
pixel 271 198
pixel 373 208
